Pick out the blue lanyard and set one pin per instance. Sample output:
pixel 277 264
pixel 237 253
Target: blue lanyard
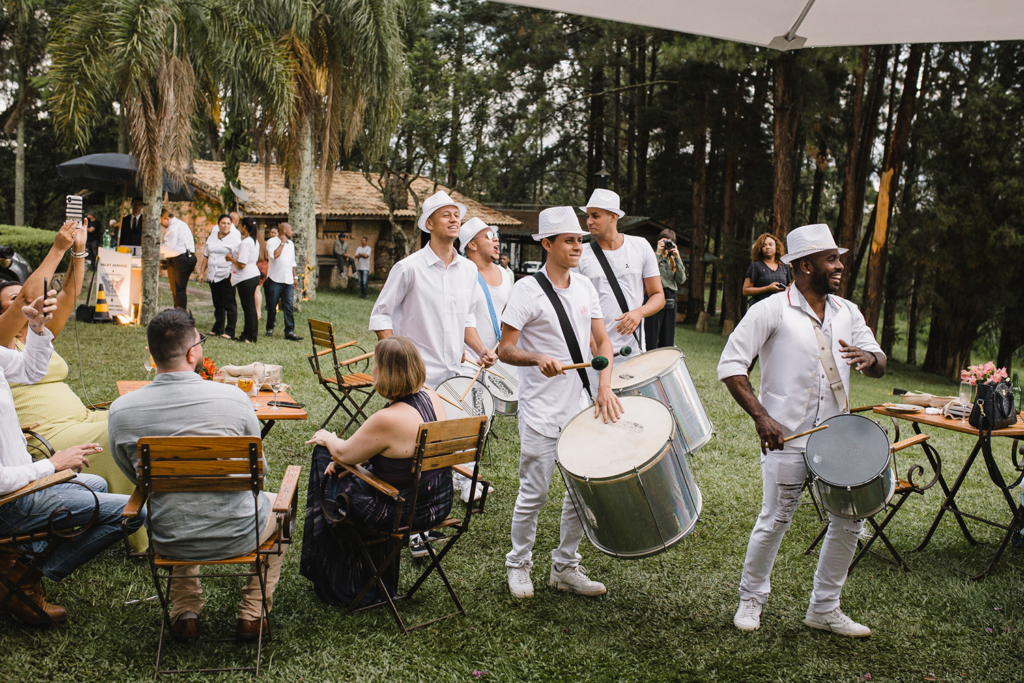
pixel 490 304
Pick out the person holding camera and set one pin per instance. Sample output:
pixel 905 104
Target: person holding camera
pixel 660 328
pixel 767 274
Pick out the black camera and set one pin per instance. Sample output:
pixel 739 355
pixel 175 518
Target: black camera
pixel 6 252
pixel 669 245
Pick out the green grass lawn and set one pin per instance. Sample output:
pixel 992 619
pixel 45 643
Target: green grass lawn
pixel 667 617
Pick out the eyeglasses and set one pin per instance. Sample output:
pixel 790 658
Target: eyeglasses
pixel 202 338
pixel 491 235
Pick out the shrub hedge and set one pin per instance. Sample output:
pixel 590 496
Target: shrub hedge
pixel 32 243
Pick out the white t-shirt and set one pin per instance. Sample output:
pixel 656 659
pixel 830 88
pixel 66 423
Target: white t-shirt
pixel 484 325
pixel 631 263
pixel 216 251
pixel 282 268
pixel 363 258
pixel 247 252
pixel 548 403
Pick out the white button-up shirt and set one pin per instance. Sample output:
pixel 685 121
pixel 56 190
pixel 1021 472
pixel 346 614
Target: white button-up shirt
pixel 780 329
pixel 178 239
pixel 281 269
pixel 217 249
pixel 431 305
pixel 20 367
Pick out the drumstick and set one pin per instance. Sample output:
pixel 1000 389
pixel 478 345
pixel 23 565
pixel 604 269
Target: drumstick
pixel 441 396
pixel 476 376
pixel 809 431
pixel 473 362
pixel 599 363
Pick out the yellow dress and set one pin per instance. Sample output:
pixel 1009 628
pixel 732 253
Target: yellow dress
pixel 64 421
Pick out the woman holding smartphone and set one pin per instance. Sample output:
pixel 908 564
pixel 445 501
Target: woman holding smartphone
pixel 245 276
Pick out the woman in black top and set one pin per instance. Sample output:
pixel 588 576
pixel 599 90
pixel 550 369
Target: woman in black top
pixel 767 274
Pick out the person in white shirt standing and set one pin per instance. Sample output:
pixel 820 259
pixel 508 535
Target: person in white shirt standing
pixel 281 279
pixel 179 249
pixel 634 268
pixel 532 339
pixel 216 267
pixel 428 296
pixel 796 395
pixel 245 276
pixel 363 253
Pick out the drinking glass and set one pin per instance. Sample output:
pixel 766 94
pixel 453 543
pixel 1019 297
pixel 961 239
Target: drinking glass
pixel 148 364
pixel 965 399
pixel 276 386
pixel 258 375
pixel 245 384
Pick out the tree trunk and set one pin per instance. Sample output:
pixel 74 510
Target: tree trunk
pixel 152 204
pixel 914 317
pixel 820 166
pixel 887 187
pixel 889 309
pixel 302 215
pixel 643 142
pixel 454 149
pixel 595 128
pixel 787 119
pixel 700 142
pixel 730 293
pixel 19 174
pixel 854 270
pixel 617 125
pixel 631 124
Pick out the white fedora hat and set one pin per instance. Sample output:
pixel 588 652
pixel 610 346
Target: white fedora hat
pixel 604 199
pixel 558 220
pixel 435 202
pixel 810 239
pixel 470 229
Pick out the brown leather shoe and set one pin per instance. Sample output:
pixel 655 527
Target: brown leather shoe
pixel 186 628
pixel 32 586
pixel 248 630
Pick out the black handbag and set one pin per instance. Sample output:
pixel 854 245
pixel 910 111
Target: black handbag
pixel 993 407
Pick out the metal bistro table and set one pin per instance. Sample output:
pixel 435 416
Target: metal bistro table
pixel 982 446
pixel 266 415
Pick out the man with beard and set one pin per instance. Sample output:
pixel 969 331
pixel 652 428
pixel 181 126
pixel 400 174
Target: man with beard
pixel 796 395
pixel 197 526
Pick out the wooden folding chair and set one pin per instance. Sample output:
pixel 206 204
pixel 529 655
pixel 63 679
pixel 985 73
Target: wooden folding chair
pixel 199 464
pixel 350 388
pixel 450 443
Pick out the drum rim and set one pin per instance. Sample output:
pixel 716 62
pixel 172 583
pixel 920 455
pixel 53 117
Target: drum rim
pixel 650 380
pixel 644 464
pixel 873 477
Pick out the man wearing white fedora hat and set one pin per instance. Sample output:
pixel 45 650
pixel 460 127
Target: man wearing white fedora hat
pixel 798 334
pixel 428 296
pixel 532 337
pixel 623 268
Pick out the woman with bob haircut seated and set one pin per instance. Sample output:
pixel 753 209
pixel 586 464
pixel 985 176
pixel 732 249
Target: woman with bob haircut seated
pixel 385 443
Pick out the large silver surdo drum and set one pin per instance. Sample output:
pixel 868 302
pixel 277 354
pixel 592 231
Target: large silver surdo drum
pixel 662 375
pixel 851 466
pixel 629 480
pixel 478 400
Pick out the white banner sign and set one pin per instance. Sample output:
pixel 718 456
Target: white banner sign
pixel 115 274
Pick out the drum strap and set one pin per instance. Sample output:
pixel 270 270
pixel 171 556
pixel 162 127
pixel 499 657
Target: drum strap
pixel 828 362
pixel 613 282
pixel 567 331
pixel 490 304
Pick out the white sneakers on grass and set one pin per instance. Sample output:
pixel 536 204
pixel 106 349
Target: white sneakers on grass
pixel 836 622
pixel 748 616
pixel 572 579
pixel 463 484
pixel 519 583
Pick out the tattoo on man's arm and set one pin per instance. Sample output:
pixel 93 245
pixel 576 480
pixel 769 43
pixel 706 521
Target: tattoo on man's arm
pixel 513 355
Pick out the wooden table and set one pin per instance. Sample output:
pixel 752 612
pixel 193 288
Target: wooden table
pixel 982 446
pixel 265 413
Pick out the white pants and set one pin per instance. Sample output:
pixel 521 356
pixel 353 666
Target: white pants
pixel 536 465
pixel 783 473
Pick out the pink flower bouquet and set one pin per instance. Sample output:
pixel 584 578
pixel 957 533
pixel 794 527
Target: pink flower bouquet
pixel 983 374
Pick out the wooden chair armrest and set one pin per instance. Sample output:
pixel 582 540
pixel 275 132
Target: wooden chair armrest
pixel 288 489
pixel 29 428
pixel 908 442
pixel 38 485
pixel 134 505
pixel 371 479
pixel 356 359
pixel 336 348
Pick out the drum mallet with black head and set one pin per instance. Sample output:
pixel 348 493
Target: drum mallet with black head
pixel 599 363
pixel 624 351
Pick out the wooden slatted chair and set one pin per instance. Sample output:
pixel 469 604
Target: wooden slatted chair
pixel 346 380
pixel 198 464
pixel 450 443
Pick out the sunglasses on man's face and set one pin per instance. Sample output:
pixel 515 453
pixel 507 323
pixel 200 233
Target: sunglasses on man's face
pixel 491 235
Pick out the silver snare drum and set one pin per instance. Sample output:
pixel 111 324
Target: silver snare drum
pixel 851 466
pixel 477 402
pixel 662 375
pixel 629 480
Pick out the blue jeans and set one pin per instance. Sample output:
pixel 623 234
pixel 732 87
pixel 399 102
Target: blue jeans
pixel 364 280
pixel 276 291
pixel 32 513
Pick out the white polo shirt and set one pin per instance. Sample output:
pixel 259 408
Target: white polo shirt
pixel 216 252
pixel 282 268
pixel 548 403
pixel 246 252
pixel 432 305
pixel 178 239
pixel 631 263
pixel 363 258
pixel 484 324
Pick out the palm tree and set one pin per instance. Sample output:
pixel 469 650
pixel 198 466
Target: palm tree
pixel 152 56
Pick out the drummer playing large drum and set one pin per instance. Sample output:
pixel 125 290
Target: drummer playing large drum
pixel 797 394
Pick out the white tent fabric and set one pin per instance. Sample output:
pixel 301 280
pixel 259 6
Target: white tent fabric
pixel 827 22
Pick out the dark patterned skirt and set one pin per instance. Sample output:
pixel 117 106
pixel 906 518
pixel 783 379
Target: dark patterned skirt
pixel 333 561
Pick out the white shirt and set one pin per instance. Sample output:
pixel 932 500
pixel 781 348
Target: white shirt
pixel 631 263
pixel 246 252
pixel 363 258
pixel 178 239
pixel 20 367
pixel 282 268
pixel 794 389
pixel 232 231
pixel 548 403
pixel 217 265
pixel 484 325
pixel 431 305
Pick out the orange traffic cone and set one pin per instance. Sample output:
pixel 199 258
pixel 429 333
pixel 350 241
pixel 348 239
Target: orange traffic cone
pixel 102 313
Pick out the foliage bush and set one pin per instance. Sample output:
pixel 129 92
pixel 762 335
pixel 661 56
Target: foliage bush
pixel 32 243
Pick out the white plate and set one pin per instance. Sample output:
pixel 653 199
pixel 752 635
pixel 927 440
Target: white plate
pixel 904 408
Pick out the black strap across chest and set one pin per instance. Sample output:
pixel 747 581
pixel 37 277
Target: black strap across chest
pixel 567 330
pixel 613 282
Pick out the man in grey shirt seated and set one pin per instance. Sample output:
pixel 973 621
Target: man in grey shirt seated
pixel 194 526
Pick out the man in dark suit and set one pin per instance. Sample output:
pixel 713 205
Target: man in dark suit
pixel 131 226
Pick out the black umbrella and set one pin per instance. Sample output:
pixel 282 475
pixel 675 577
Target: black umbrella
pixel 115 174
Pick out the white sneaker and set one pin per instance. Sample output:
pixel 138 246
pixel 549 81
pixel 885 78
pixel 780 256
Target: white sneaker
pixel 748 616
pixel 417 548
pixel 836 622
pixel 575 580
pixel 465 485
pixel 519 583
